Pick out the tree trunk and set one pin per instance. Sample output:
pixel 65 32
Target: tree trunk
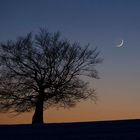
pixel 38 115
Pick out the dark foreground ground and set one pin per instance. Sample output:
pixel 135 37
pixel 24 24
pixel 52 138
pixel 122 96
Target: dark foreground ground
pixel 108 130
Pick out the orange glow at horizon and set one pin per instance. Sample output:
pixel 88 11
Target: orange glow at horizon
pixel 115 102
pixel 82 113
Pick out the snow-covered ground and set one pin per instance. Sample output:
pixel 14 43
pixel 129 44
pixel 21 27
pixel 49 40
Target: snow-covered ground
pixel 108 130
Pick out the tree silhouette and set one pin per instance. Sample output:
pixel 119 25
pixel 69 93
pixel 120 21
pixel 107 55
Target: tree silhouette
pixel 44 70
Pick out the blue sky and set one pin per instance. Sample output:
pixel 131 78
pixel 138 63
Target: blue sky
pixel 102 23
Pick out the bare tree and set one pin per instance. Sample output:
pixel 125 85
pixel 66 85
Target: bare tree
pixel 44 70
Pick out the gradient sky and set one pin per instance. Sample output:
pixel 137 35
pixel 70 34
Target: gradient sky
pixel 102 23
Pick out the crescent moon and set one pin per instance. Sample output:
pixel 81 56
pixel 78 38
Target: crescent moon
pixel 121 44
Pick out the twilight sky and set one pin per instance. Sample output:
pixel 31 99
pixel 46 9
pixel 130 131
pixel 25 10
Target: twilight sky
pixel 102 23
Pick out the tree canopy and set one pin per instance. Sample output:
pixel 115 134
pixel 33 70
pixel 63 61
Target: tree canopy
pixel 44 70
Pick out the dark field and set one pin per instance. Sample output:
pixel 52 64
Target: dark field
pixel 106 130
